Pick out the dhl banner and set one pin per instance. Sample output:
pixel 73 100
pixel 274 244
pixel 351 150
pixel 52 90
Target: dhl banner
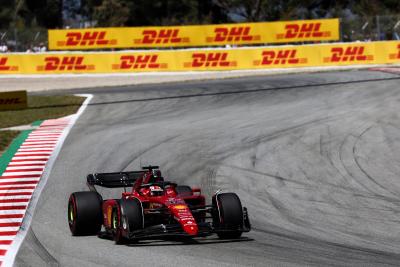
pixel 207 59
pixel 13 100
pixel 200 35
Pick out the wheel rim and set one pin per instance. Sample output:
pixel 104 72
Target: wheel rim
pixel 115 221
pixel 71 213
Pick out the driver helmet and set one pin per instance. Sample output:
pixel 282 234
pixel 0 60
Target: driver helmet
pixel 156 190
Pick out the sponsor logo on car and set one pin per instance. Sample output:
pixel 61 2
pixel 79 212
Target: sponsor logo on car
pixel 87 38
pixel 5 67
pixel 280 57
pixel 163 36
pixel 180 207
pixel 144 61
pixel 154 205
pixel 61 63
pixel 354 53
pixel 229 34
pixel 210 59
pixel 303 30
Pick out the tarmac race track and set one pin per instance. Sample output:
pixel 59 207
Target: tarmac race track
pixel 314 157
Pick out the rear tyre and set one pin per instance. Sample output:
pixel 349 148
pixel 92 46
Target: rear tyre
pixel 127 217
pixel 85 213
pixel 183 190
pixel 228 215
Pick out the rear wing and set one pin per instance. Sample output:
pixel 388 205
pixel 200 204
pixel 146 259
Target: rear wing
pixel 113 179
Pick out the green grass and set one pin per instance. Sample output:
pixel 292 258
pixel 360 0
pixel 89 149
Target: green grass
pixel 41 108
pixel 5 139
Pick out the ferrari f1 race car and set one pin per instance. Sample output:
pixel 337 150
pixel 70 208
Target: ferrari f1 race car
pixel 153 208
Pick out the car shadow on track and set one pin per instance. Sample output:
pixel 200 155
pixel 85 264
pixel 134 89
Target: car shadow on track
pixel 179 241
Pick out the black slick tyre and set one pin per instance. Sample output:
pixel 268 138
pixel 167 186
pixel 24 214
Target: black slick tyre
pixel 127 217
pixel 85 213
pixel 228 215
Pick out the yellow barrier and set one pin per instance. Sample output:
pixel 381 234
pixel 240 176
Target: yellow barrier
pixel 13 100
pixel 200 35
pixel 216 59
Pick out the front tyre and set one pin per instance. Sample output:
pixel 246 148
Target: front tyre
pixel 127 217
pixel 85 213
pixel 228 215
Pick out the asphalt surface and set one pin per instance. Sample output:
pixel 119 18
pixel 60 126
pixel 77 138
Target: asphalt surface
pixel 314 157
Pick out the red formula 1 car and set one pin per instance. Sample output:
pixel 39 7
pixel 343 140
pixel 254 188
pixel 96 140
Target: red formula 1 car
pixel 153 208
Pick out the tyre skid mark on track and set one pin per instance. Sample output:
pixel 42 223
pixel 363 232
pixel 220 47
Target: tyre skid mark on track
pixel 357 161
pixel 350 142
pixel 41 250
pixel 14 202
pixel 347 168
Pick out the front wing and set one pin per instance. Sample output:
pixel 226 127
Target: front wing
pixel 164 230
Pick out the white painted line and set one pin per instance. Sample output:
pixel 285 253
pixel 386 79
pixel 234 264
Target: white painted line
pixel 37 135
pixel 19 178
pixel 11 180
pixel 42 137
pixel 33 149
pixel 45 133
pixel 6 220
pixel 12 212
pixel 45 136
pixel 5 247
pixel 48 132
pixel 33 153
pixel 8 173
pixel 25 168
pixel 36 162
pixel 6 229
pixel 13 191
pixel 37 146
pixel 15 197
pixel 41 140
pixel 32 157
pixel 12 252
pixel 40 143
pixel 9 228
pixel 36 153
pixel 58 129
pixel 3 190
